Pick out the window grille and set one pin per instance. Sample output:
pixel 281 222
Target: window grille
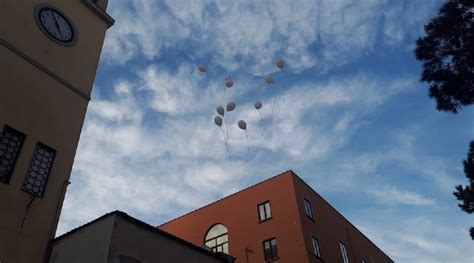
pixel 11 141
pixel 39 170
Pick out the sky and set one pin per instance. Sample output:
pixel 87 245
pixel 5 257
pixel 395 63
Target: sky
pixel 347 113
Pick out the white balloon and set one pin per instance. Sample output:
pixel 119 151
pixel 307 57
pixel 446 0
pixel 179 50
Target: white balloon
pixel 218 121
pixel 228 82
pixel 258 105
pixel 230 106
pixel 220 110
pixel 202 68
pixel 269 79
pixel 280 63
pixel 242 125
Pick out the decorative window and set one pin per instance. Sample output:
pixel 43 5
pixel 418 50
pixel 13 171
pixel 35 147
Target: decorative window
pixel 217 239
pixel 308 209
pixel 270 250
pixel 38 171
pixel 11 141
pixel 264 211
pixel 315 243
pixel 345 258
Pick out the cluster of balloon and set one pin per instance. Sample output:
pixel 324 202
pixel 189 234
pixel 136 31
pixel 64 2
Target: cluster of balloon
pixel 222 117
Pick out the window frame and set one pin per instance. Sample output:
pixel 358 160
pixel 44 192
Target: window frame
pixel 220 245
pixel 273 250
pixel 14 131
pixel 307 204
pixel 266 216
pixel 316 252
pixel 344 254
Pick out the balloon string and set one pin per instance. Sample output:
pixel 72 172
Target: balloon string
pixel 273 106
pixel 225 140
pixel 261 122
pixel 248 146
pixel 226 125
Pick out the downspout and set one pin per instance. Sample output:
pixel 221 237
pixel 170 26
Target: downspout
pixel 247 251
pixel 56 220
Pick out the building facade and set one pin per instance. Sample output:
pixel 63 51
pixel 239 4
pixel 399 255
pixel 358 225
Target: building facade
pixel 49 52
pixel 119 238
pixel 281 219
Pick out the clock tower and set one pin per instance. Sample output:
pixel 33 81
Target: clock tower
pixel 49 52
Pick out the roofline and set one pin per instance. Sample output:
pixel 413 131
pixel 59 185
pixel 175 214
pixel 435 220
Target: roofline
pixel 147 227
pixel 295 175
pixel 225 197
pixel 291 172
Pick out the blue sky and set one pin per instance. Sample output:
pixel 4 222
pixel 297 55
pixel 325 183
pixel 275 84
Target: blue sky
pixel 350 117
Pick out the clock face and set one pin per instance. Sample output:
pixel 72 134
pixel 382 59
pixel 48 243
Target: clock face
pixel 56 25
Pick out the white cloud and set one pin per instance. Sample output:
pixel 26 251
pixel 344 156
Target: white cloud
pixel 392 195
pixel 249 35
pixel 418 239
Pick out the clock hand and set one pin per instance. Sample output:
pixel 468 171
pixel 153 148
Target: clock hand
pixel 57 25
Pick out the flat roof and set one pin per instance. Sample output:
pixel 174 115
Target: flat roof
pixel 146 227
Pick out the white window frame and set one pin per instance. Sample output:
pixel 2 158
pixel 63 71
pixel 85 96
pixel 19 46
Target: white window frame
pixel 343 248
pixel 316 246
pixel 308 208
pixel 264 211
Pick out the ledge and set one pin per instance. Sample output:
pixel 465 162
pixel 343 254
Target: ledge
pixel 100 12
pixel 44 69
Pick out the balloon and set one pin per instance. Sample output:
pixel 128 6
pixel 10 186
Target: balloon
pixel 228 82
pixel 218 121
pixel 220 110
pixel 269 79
pixel 230 106
pixel 242 125
pixel 258 104
pixel 280 63
pixel 202 68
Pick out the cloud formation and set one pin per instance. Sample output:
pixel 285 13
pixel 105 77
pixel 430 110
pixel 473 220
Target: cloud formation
pixel 249 35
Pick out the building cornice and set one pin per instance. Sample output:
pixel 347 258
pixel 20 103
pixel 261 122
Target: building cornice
pixel 99 12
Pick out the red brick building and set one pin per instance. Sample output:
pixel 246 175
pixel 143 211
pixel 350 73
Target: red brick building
pixel 281 219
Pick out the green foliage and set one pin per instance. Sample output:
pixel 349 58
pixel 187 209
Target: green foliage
pixel 465 194
pixel 447 53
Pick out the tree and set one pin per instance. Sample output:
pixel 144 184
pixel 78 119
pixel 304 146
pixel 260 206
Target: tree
pixel 447 53
pixel 465 194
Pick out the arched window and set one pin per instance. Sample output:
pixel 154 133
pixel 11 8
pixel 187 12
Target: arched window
pixel 217 239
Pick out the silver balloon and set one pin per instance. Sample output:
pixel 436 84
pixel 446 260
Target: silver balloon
pixel 218 121
pixel 230 106
pixel 269 79
pixel 228 82
pixel 220 110
pixel 202 68
pixel 280 63
pixel 242 125
pixel 258 105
